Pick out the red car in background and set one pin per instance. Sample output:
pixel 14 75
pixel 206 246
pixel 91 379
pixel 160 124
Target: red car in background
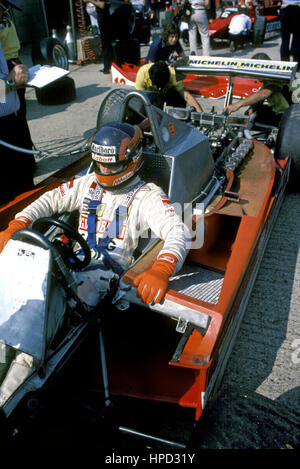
pixel 264 16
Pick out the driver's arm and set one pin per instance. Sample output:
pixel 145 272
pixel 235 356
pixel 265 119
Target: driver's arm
pixel 157 213
pixel 65 198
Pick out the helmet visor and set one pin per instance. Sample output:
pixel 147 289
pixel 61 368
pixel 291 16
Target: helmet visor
pixel 109 168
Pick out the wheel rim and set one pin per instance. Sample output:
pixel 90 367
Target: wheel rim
pixel 59 56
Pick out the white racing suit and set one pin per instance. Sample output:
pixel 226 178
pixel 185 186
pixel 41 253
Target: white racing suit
pixel 145 208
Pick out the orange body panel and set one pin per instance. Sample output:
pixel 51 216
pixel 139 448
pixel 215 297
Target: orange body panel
pixel 235 254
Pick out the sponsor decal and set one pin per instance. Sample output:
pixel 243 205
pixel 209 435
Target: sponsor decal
pixel 219 62
pixel 136 157
pixel 164 199
pixel 273 26
pixel 123 178
pixel 63 188
pixel 165 257
pixel 122 232
pixel 103 158
pixel 83 222
pixel 102 226
pixel 104 149
pixel 26 253
pixel 97 193
pixel 171 128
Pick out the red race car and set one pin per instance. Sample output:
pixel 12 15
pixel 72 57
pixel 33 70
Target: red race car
pixel 264 17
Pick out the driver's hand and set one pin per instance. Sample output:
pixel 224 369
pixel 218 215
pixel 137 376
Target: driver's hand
pixel 153 283
pixel 13 226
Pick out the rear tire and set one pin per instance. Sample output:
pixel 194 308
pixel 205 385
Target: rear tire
pixel 259 29
pixel 261 56
pixel 50 51
pixel 61 91
pixel 111 107
pixel 288 143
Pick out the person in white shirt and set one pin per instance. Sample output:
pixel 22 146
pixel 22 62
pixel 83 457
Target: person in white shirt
pixel 92 12
pixel 239 29
pixel 199 21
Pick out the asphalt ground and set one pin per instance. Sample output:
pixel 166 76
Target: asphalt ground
pixel 265 360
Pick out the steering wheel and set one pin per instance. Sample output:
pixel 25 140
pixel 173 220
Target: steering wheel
pixel 65 249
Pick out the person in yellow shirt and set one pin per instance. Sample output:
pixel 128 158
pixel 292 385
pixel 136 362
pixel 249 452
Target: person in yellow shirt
pixel 161 78
pixel 269 102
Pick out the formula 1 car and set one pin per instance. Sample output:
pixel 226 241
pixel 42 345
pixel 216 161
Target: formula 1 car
pixel 225 176
pixel 265 21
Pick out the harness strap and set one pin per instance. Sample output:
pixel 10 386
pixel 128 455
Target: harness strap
pixel 112 231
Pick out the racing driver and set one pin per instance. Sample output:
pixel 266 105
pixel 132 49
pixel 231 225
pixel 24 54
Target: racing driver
pixel 114 191
pixel 116 208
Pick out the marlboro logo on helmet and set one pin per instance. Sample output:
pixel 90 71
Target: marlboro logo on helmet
pixel 117 153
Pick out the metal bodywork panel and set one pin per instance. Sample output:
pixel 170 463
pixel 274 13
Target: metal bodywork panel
pixel 184 163
pixel 192 282
pixel 197 282
pixel 173 310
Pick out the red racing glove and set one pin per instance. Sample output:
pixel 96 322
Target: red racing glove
pixel 153 283
pixel 13 226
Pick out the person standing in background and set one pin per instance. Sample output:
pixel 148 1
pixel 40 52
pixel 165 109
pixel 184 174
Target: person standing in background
pixel 17 173
pixel 290 21
pixel 92 12
pixel 167 47
pixel 199 22
pixel 104 25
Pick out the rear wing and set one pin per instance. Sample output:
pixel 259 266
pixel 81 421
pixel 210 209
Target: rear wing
pixel 239 67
